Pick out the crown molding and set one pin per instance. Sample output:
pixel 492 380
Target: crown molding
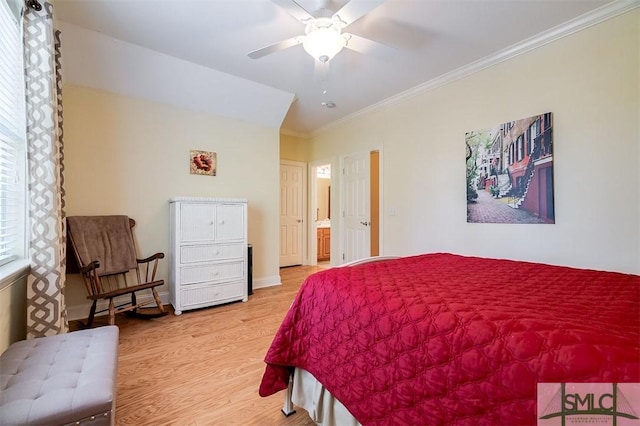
pixel 601 14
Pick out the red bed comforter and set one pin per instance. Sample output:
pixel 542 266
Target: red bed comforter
pixel 447 339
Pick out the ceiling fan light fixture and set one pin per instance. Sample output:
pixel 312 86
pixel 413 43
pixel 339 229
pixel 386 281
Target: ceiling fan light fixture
pixel 323 40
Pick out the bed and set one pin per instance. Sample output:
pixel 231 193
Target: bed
pixel 449 339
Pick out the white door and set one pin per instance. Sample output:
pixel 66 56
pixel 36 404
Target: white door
pixel 356 240
pixel 291 212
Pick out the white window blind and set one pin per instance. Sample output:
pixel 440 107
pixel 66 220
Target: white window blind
pixel 12 139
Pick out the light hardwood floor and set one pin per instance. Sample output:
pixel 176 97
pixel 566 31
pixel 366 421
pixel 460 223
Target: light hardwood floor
pixel 204 366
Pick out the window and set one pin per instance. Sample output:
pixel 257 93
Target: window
pixel 533 130
pixel 547 121
pixel 12 139
pixel 520 148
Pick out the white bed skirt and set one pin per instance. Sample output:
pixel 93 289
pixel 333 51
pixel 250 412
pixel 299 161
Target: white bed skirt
pixel 322 407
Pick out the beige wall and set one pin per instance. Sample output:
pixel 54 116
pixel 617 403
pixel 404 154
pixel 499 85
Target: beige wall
pixel 589 81
pixel 13 312
pixel 125 155
pixel 294 148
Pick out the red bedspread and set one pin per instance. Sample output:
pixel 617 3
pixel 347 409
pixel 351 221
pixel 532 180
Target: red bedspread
pixel 447 339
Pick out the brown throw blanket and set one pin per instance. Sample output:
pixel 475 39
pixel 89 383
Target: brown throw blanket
pixel 107 239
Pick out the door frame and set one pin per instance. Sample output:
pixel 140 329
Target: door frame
pixel 304 206
pixel 312 229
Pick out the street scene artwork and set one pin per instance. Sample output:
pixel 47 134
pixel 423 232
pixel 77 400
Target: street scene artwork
pixel 510 172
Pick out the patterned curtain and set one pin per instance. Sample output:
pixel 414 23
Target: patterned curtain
pixel 46 309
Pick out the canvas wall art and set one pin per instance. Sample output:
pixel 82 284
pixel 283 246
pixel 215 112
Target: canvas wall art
pixel 202 162
pixel 510 172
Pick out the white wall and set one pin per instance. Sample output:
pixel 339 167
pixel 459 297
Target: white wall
pixel 95 60
pixel 126 155
pixel 589 81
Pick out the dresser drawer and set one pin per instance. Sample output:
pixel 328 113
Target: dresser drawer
pixel 217 272
pixel 201 295
pixel 211 252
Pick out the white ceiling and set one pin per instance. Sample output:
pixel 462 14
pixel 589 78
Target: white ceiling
pixel 420 40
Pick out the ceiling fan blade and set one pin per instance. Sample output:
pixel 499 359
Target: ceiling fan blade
pixel 284 44
pixel 361 44
pixel 356 9
pixel 294 9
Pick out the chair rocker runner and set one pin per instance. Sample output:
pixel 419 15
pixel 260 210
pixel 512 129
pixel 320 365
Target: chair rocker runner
pixel 105 252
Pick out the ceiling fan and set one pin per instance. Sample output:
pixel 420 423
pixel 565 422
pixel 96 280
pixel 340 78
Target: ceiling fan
pixel 323 37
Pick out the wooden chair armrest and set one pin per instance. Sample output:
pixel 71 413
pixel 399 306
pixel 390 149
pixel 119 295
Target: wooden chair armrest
pixel 151 258
pixel 90 267
pixel 126 290
pixel 149 268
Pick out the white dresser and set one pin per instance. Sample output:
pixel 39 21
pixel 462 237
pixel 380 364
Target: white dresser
pixel 208 255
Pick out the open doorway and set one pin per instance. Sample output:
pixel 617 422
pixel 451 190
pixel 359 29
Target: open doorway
pixel 374 188
pixel 323 213
pixel 330 209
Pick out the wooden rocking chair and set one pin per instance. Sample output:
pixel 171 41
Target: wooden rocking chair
pixel 105 252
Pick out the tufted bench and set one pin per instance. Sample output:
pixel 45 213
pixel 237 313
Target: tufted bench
pixel 58 380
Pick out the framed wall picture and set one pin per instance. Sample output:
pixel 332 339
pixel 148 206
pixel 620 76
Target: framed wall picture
pixel 510 172
pixel 202 162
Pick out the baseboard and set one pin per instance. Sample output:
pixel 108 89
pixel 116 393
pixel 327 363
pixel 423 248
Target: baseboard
pixel 81 311
pixel 267 282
